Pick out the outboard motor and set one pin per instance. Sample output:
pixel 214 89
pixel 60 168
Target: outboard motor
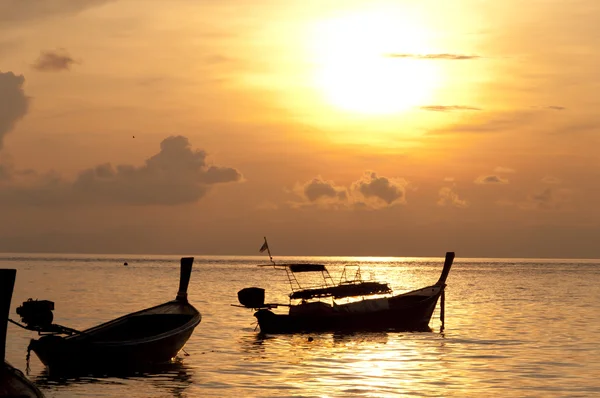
pixel 252 297
pixel 36 314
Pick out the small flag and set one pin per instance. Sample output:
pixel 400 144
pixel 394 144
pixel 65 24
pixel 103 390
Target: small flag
pixel 264 247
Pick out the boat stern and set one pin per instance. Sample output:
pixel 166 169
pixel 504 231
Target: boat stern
pixel 47 348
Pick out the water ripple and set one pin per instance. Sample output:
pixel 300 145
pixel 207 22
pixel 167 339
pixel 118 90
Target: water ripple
pixel 513 328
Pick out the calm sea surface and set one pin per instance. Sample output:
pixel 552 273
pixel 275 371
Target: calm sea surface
pixel 513 328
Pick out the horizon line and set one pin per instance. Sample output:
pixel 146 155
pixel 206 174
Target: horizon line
pixel 124 255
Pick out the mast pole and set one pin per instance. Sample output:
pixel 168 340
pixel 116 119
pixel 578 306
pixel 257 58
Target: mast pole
pixel 443 308
pixel 269 251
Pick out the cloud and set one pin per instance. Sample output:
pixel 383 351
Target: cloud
pixel 53 61
pixel 447 197
pixel 368 192
pixel 14 104
pixel 8 172
pixel 16 11
pixel 550 107
pixel 490 179
pixel 175 175
pixel 577 128
pixel 501 169
pixel 511 121
pixel 381 189
pixel 317 189
pixel 547 199
pixel 321 193
pixel 500 123
pixel 449 108
pixel 452 57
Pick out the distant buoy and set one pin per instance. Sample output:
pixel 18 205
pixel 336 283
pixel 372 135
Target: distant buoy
pixel 310 339
pixel 125 263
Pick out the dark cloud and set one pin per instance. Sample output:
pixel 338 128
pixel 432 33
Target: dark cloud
pixel 322 193
pixel 16 11
pixel 53 61
pixel 176 175
pixel 452 57
pixel 447 197
pixel 368 192
pixel 317 188
pixel 381 188
pixel 449 108
pixel 13 102
pixel 491 179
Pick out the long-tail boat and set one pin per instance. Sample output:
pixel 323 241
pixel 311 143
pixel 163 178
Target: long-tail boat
pixel 411 311
pixel 150 336
pixel 13 383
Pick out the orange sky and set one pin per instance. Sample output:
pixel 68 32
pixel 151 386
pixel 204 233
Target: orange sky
pixel 379 128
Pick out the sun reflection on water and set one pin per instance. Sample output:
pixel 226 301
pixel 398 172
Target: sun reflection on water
pixel 501 336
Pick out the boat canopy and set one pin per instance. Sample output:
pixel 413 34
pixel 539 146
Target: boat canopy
pixel 306 267
pixel 343 290
pixel 298 267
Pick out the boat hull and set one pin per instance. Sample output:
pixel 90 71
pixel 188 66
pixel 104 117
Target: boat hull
pixel 13 383
pixel 410 312
pixel 131 342
pixel 59 354
pixel 107 347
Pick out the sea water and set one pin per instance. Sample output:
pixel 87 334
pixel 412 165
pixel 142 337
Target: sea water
pixel 514 328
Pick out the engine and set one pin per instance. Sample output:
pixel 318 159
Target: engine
pixel 36 314
pixel 252 297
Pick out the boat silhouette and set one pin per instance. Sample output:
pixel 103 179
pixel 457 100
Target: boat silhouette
pixel 150 336
pixel 411 311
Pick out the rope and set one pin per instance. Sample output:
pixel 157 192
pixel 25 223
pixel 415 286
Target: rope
pixel 27 368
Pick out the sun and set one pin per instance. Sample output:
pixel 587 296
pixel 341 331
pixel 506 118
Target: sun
pixel 355 66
